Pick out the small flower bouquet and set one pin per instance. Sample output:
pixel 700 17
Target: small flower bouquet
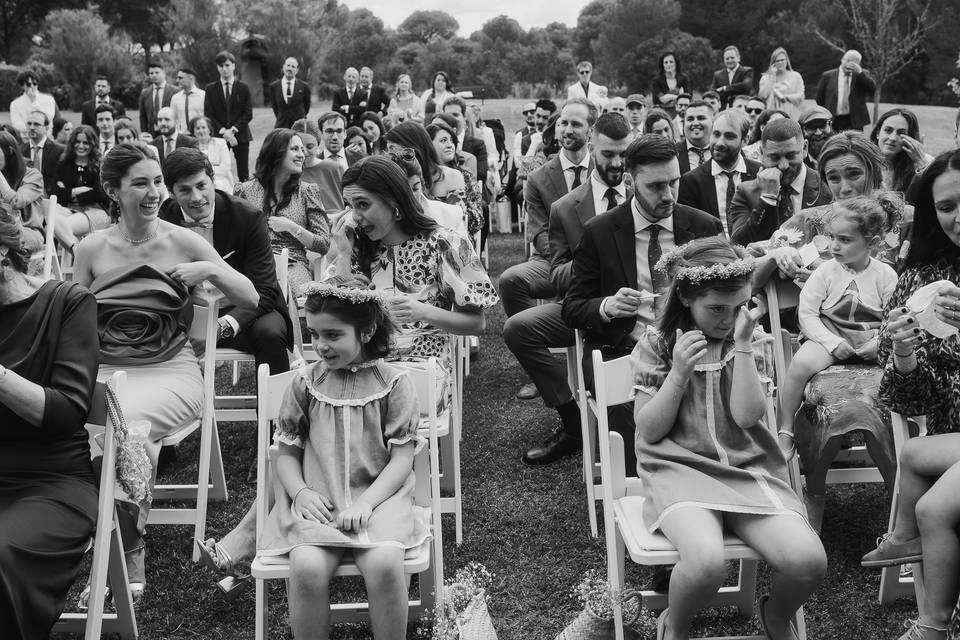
pixel 463 614
pixel 596 622
pixel 786 238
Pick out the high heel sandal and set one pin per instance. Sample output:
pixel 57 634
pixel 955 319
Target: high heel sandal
pixel 220 561
pixel 136 594
pixel 762 614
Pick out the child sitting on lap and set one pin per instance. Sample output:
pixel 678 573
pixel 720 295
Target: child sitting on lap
pixel 347 436
pixel 706 460
pixel 841 304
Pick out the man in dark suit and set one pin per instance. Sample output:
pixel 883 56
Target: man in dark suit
pixel 41 152
pixel 156 96
pixel 346 101
pixel 101 95
pixel 530 333
pixel 783 187
pixel 167 139
pixel 844 92
pixel 238 230
pixel 370 96
pixel 227 103
pixel 613 265
pixel 693 149
pixel 333 130
pixel 289 97
pixel 711 186
pixel 734 79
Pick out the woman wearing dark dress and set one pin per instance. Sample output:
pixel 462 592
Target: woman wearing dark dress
pixel 78 187
pixel 48 496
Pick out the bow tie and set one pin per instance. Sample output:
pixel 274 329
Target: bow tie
pixel 198 224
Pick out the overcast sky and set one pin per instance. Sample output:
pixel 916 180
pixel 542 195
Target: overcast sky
pixel 471 14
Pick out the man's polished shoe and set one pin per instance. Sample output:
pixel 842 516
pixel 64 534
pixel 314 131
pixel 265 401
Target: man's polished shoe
pixel 557 446
pixel 528 392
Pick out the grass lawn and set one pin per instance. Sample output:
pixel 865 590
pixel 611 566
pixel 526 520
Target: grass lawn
pixel 528 526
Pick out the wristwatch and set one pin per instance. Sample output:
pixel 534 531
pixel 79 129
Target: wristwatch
pixel 225 332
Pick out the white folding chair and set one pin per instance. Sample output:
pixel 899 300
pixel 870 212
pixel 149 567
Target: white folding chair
pixel 108 562
pixel 592 480
pixel 450 476
pixel 624 528
pixel 51 265
pixel 270 391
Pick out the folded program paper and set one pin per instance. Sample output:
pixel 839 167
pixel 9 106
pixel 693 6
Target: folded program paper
pixel 921 303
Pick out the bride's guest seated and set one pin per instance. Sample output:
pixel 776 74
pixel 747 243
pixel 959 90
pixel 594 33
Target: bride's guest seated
pixel 142 271
pixel 78 186
pixel 21 192
pixel 48 495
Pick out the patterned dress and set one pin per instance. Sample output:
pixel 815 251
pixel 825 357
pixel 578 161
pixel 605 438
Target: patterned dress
pixel 707 460
pixel 306 209
pixel 346 421
pixel 933 388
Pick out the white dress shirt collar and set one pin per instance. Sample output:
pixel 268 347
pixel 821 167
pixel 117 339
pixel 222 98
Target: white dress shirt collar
pixel 740 167
pixel 641 222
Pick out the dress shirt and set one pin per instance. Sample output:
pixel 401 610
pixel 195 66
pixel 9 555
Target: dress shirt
pixel 184 111
pixel 720 182
pixel 797 186
pixel 694 157
pixel 635 132
pixel 36 153
pixel 843 94
pixel 287 90
pixel 105 145
pixel 21 107
pixel 206 232
pixel 569 174
pixel 599 188
pixel 731 73
pixel 648 312
pixel 340 157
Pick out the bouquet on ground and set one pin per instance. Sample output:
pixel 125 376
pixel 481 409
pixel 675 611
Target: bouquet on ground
pixel 596 621
pixel 463 613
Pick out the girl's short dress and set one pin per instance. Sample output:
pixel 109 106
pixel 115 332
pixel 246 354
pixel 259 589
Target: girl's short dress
pixel 707 460
pixel 346 421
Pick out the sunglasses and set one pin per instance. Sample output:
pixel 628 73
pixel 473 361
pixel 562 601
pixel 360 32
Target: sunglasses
pixel 754 110
pixel 404 155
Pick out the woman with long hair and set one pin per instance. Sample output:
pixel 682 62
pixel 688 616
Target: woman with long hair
pixel 372 127
pixel 441 89
pixel 668 83
pixel 78 185
pixel 294 208
pixel 405 105
pixel 897 133
pixel 781 86
pixel 21 192
pixel 453 188
pixel 659 122
pixel 217 152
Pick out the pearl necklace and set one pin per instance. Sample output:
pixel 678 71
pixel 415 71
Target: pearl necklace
pixel 149 236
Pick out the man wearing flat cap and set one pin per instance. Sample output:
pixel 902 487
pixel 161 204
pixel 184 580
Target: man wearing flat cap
pixel 817 125
pixel 636 112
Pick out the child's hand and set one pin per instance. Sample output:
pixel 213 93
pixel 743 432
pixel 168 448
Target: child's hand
pixel 868 350
pixel 747 322
pixel 843 351
pixel 313 506
pixel 354 518
pixel 688 351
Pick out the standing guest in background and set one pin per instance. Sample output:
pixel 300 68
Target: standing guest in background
pixel 167 138
pixel 101 95
pixel 668 84
pixel 734 79
pixel 372 97
pixel 711 186
pixel 754 150
pixel 62 128
pixel 817 125
pixel 345 99
pixel 187 103
pixel 333 129
pixel 216 151
pixel 636 114
pixel 897 133
pixel 844 92
pixel 289 96
pixel 104 117
pixel 30 100
pixel 781 86
pixel 584 87
pixel 156 96
pixel 372 127
pixel 441 90
pixel 228 104
pixel 694 148
pixel 405 105
pixel 21 193
pixel 683 101
pixel 324 173
pixel 658 121
pixel 42 153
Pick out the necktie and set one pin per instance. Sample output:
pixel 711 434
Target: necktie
pixel 289 90
pixel 156 100
pixel 168 147
pixel 657 278
pixel 35 157
pixel 226 97
pixel 106 146
pixel 700 154
pixel 843 106
pixel 611 198
pixel 731 188
pixel 186 107
pixel 576 177
pixel 785 203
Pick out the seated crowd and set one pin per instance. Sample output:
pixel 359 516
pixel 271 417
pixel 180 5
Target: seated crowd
pixel 651 231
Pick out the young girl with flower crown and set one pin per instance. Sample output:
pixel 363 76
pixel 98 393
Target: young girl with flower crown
pixel 841 304
pixel 347 436
pixel 706 461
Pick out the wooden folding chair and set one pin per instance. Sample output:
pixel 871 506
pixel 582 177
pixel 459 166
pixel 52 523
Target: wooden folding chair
pixel 108 562
pixel 270 391
pixel 624 528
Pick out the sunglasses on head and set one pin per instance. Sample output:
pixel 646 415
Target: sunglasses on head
pixel 404 155
pixel 749 110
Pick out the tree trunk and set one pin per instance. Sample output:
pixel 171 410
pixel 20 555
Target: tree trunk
pixel 876 99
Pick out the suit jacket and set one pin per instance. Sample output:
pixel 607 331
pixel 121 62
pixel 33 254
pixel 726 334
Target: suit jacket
pixel 148 115
pixel 751 219
pixel 88 111
pixel 180 141
pixel 541 189
pixel 241 227
pixel 240 113
pixel 289 111
pixel 352 109
pixel 567 217
pixel 683 158
pixel 49 159
pixel 742 84
pixel 698 188
pixel 606 260
pixel 476 147
pixel 862 87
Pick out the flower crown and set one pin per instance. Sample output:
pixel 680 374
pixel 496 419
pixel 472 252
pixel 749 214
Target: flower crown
pixel 354 295
pixel 703 273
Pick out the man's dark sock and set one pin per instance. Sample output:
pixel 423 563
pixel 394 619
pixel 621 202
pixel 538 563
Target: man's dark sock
pixel 570 417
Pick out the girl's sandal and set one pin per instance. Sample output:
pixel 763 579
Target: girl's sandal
pixel 136 594
pixel 792 451
pixel 220 561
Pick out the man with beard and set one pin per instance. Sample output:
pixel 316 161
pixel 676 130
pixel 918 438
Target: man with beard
pixel 238 231
pixel 523 284
pixel 530 333
pixel 168 139
pixel 711 186
pixel 694 148
pixel 101 95
pixel 784 186
pixel 613 264
pixel 817 125
pixel 845 91
pixel 683 101
pixel 41 152
pixel 754 108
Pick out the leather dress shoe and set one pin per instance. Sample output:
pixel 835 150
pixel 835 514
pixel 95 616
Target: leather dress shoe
pixel 528 392
pixel 557 446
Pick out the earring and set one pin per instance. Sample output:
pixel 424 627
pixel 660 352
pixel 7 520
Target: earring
pixel 396 213
pixel 6 273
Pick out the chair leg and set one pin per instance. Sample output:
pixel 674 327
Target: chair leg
pixel 126 622
pixel 217 473
pixel 747 587
pixel 457 486
pixel 207 431
pixel 236 373
pixel 261 610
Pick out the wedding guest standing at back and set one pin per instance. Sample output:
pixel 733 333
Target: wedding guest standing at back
pixel 734 79
pixel 669 83
pixel 187 103
pixel 781 86
pixel 227 103
pixel 30 100
pixel 584 87
pixel 844 91
pixel 156 96
pixel 289 96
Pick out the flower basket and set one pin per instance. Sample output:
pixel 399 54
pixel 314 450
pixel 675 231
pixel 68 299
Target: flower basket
pixel 590 626
pixel 463 614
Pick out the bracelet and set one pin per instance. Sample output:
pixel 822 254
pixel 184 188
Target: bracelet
pixel 738 350
pixel 297 494
pixel 904 355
